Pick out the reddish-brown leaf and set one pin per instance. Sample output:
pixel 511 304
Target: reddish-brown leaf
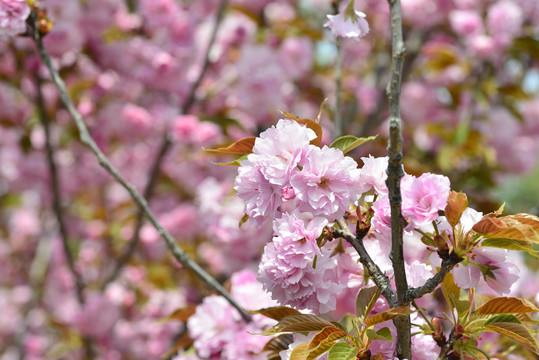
pixel 388 315
pixel 299 323
pixel 522 227
pixel 516 332
pixel 457 202
pixel 506 305
pixel 240 147
pixel 277 312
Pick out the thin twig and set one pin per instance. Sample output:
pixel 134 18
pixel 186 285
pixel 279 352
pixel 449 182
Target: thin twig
pixel 379 278
pixel 337 131
pixel 431 284
pixel 85 137
pixel 58 210
pixel 448 346
pixel 162 152
pixel 395 172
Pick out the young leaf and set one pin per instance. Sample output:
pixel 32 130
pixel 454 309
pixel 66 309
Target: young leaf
pixel 506 318
pixel 342 351
pixel 348 143
pixel 506 305
pixel 388 315
pixel 365 301
pixel 323 341
pixel 510 244
pixel 299 352
pixel 244 218
pixel 457 202
pixel 516 332
pixel 522 227
pixel 298 323
pixel 240 147
pixel 276 313
pixel 279 343
pixel 382 334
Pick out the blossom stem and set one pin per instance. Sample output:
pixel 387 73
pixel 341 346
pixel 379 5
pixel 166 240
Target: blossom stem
pixel 179 254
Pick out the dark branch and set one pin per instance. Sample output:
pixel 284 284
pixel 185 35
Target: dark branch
pixel 395 172
pixel 88 141
pixel 379 278
pixel 431 284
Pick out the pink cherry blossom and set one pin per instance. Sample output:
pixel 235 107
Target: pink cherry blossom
pixel 466 22
pixel 373 174
pixel 327 183
pixel 13 14
pixel 299 225
pixel 353 26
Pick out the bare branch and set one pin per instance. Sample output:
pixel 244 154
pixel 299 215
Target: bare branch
pixel 88 141
pixel 163 150
pixel 395 172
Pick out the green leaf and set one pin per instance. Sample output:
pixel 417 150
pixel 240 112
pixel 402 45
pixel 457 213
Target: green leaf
pixel 365 301
pixel 517 332
pixel 298 323
pixel 348 143
pixel 382 334
pixel 506 305
pixel 244 218
pixel 388 315
pixel 277 312
pixel 236 162
pixel 342 351
pixel 510 244
pixel 506 318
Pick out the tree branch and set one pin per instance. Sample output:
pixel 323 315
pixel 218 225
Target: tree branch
pixel 431 284
pixel 395 172
pixel 379 278
pixel 448 346
pixel 58 210
pixel 162 152
pixel 337 131
pixel 88 141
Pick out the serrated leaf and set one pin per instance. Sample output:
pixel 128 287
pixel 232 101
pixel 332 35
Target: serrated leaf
pixel 279 343
pixel 522 227
pixel 526 318
pixel 510 244
pixel 298 323
pixel 503 318
pixel 365 301
pixel 382 334
pixel 457 202
pixel 388 315
pixel 236 162
pixel 240 147
pixel 506 305
pixel 342 351
pixel 517 332
pixel 324 340
pixel 276 312
pixel 299 352
pixel 348 143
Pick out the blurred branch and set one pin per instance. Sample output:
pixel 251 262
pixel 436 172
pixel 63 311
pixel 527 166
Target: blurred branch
pixel 58 210
pixel 85 137
pixel 394 174
pixel 166 143
pixel 379 278
pixel 337 131
pixel 131 5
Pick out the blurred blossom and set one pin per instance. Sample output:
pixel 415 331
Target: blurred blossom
pixel 466 22
pixel 13 14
